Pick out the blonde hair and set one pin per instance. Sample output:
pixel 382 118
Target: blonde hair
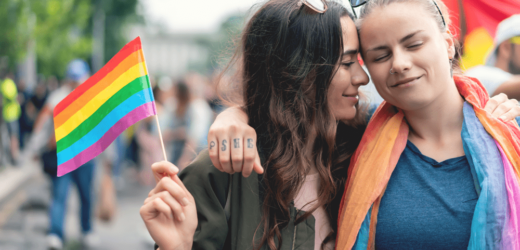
pixel 430 5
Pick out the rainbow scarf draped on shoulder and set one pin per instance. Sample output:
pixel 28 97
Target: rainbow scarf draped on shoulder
pixel 493 151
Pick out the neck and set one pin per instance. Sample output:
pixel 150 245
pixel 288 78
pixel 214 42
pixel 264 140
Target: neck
pixel 436 128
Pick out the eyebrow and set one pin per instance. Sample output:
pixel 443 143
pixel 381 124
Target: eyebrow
pixel 350 52
pixel 400 41
pixel 409 36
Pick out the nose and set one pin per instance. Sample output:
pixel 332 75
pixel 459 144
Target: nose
pixel 359 76
pixel 400 62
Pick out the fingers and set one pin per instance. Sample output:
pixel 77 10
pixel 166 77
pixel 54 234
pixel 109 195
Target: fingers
pixel 225 155
pixel 250 151
pixel 152 208
pixel 508 107
pixel 512 113
pixel 173 208
pixel 257 167
pixel 174 187
pixel 237 153
pixel 162 169
pixel 494 102
pixel 213 147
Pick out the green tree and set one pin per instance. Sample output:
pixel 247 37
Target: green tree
pixel 118 14
pixel 14 30
pixel 61 33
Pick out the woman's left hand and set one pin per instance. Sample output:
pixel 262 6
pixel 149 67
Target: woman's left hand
pixel 501 107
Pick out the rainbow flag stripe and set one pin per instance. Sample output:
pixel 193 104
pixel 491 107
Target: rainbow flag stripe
pixel 90 118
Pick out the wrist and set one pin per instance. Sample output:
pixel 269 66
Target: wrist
pixel 239 113
pixel 183 246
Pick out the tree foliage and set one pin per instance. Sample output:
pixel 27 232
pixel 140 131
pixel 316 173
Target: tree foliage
pixel 60 29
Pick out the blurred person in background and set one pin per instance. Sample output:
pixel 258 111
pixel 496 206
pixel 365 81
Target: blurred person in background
pixel 200 117
pixel 10 115
pixel 501 74
pixel 30 109
pixel 178 127
pixel 147 135
pixel 77 72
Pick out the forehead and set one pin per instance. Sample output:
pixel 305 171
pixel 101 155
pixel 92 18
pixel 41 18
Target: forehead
pixel 350 35
pixel 395 21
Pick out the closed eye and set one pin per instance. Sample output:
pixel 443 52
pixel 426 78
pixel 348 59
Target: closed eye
pixel 347 64
pixel 416 45
pixel 381 58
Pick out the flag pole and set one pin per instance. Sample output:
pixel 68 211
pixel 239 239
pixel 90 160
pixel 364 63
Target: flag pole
pixel 160 137
pixel 156 116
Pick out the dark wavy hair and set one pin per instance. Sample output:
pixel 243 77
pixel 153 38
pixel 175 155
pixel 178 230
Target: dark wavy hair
pixel 286 60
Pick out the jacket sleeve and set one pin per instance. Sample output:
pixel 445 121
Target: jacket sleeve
pixel 209 187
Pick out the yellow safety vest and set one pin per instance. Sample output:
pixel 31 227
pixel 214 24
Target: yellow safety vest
pixel 10 107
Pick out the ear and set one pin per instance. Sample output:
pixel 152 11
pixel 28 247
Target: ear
pixel 450 44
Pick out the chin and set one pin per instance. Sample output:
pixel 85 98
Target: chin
pixel 345 117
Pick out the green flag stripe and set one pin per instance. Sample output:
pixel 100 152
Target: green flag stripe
pixel 130 89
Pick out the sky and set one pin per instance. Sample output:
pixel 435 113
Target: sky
pixel 193 16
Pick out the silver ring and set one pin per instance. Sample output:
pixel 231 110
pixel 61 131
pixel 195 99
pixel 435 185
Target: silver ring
pixel 391 73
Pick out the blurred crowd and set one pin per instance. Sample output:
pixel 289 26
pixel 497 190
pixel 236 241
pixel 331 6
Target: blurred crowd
pixel 186 107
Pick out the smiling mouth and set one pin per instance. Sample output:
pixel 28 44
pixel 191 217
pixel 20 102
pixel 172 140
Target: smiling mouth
pixel 405 81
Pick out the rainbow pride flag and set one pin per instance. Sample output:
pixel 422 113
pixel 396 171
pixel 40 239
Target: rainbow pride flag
pixel 91 117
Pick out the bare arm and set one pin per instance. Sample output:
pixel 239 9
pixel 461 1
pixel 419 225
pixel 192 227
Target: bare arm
pixel 511 88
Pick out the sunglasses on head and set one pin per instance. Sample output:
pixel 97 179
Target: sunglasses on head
pixel 318 6
pixel 358 3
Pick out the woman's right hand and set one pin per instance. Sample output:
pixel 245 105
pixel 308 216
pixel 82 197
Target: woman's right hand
pixel 232 143
pixel 169 212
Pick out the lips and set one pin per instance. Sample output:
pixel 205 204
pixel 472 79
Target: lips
pixel 406 80
pixel 351 95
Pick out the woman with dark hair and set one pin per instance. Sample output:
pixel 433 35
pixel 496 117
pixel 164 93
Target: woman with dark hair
pixel 449 170
pixel 179 121
pixel 300 76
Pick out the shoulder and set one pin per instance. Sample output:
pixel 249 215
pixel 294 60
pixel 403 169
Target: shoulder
pixel 57 96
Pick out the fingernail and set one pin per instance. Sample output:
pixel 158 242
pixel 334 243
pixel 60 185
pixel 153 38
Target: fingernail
pixel 173 170
pixel 503 117
pixel 181 217
pixel 185 202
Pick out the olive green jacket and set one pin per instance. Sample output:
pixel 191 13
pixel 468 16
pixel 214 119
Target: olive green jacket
pixel 235 231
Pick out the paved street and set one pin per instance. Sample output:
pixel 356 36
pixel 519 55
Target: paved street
pixel 24 220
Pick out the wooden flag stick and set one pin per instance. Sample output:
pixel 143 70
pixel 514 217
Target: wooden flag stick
pixel 156 117
pixel 160 137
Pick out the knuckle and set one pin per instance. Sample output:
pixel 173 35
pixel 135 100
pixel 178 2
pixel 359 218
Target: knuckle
pixel 249 158
pixel 233 128
pixel 213 154
pixel 250 132
pixel 224 160
pixel 156 202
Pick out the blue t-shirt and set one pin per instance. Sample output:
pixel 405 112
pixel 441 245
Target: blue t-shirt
pixel 427 204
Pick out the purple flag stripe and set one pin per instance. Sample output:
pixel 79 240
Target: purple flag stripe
pixel 88 154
